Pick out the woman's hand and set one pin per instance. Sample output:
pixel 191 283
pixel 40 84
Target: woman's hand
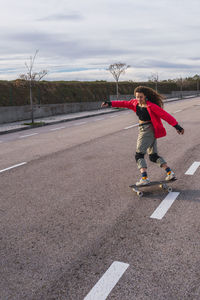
pixel 180 132
pixel 179 129
pixel 106 104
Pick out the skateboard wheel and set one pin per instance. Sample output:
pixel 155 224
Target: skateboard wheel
pixel 165 187
pixel 169 189
pixel 140 194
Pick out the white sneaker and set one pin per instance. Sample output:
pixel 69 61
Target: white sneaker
pixel 171 176
pixel 143 182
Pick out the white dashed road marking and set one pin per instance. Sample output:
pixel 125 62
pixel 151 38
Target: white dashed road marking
pixel 81 123
pixel 107 282
pixel 193 168
pixel 58 128
pixel 99 119
pixel 164 205
pixel 178 111
pixel 25 136
pixel 131 126
pixel 12 167
pixel 114 116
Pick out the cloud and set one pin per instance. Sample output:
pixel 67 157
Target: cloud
pixel 195 58
pixel 63 17
pixel 63 45
pixel 166 64
pixel 82 38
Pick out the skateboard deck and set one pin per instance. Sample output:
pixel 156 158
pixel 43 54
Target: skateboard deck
pixel 162 184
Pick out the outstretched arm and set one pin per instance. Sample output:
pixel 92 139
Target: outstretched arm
pixel 163 114
pixel 121 104
pixel 167 117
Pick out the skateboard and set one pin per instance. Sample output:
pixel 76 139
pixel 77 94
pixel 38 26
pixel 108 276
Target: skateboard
pixel 163 184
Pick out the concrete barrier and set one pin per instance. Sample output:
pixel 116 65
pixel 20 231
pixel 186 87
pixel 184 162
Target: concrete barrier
pixel 184 93
pixel 20 113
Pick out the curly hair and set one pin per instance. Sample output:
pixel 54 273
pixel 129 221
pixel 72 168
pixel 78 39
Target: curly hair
pixel 150 94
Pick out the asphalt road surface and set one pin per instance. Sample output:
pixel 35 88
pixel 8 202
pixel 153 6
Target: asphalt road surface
pixel 71 228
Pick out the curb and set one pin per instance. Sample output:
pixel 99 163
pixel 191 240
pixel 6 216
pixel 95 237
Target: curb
pixel 57 122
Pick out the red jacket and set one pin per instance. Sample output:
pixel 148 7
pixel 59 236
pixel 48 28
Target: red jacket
pixel 156 114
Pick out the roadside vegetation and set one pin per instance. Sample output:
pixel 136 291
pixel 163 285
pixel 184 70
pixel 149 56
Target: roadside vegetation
pixel 15 93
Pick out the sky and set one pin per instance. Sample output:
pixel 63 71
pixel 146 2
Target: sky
pixel 79 39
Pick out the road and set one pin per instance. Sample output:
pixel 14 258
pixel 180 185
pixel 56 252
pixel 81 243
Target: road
pixel 70 223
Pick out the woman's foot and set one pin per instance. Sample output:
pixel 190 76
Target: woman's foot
pixel 170 176
pixel 143 182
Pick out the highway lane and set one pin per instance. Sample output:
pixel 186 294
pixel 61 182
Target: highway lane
pixel 68 214
pixel 33 143
pixel 28 145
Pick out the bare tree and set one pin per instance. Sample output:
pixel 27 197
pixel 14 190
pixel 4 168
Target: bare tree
pixel 31 77
pixel 116 70
pixel 154 78
pixel 197 78
pixel 181 83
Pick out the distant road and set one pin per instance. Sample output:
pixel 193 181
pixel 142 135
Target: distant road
pixel 71 228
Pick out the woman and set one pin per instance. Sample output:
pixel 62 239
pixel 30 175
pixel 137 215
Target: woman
pixel 148 107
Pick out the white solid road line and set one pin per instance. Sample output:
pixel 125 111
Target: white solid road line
pixel 107 282
pixel 131 126
pixel 164 205
pixel 193 168
pixel 58 128
pixel 24 136
pixel 15 166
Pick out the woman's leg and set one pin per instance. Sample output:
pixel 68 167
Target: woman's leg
pixel 154 157
pixel 145 139
pixel 153 154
